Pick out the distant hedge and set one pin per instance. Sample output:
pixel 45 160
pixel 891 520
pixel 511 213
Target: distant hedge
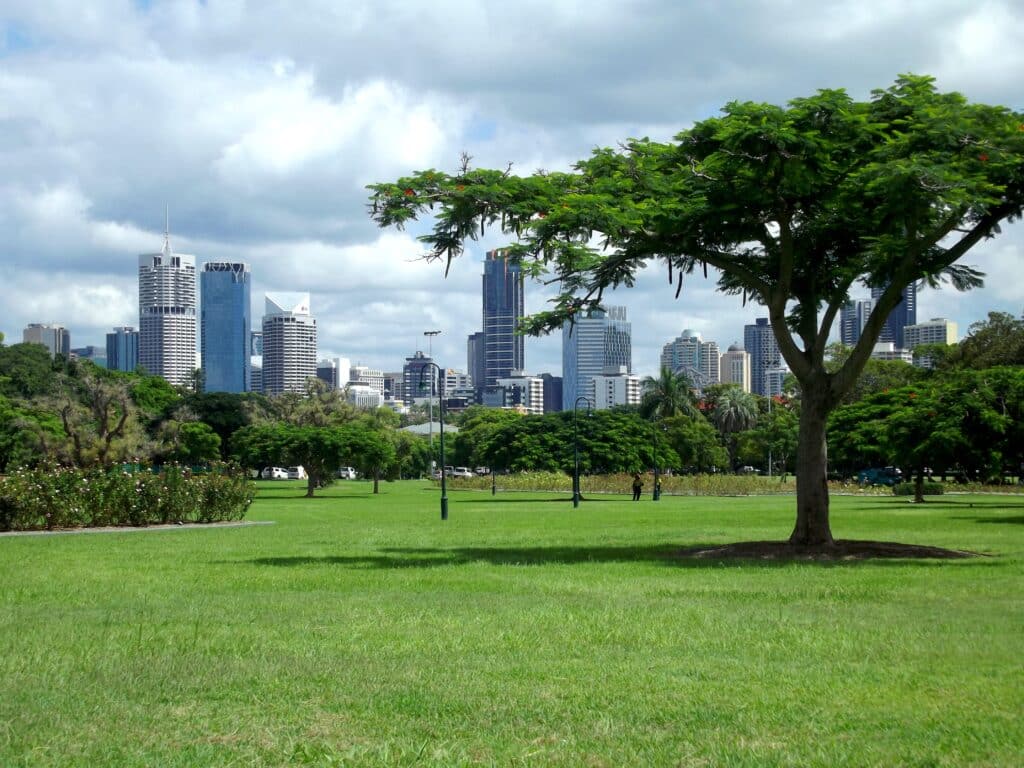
pixel 907 489
pixel 59 497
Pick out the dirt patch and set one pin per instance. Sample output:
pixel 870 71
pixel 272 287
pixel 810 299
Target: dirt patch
pixel 841 549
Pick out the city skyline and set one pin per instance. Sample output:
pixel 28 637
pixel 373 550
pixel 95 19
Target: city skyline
pixel 295 113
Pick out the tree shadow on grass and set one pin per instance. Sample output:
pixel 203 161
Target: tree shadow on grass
pixel 737 555
pixel 1013 520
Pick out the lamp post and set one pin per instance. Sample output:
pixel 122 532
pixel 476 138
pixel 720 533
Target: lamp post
pixel 576 449
pixel 440 411
pixel 656 494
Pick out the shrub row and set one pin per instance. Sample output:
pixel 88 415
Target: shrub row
pixel 61 497
pixel 685 485
pixel 929 488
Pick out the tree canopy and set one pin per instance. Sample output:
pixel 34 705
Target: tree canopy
pixel 793 206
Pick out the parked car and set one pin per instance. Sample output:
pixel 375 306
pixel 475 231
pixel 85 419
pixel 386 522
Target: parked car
pixel 346 473
pixel 880 476
pixel 462 472
pixel 296 473
pixel 274 473
pixel 482 470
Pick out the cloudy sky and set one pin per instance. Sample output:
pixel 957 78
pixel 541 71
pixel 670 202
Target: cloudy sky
pixel 259 124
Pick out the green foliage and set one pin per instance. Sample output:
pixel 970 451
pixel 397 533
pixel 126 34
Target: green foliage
pixel 225 412
pixel 195 442
pixel 27 371
pixel 318 449
pixel 153 395
pixel 997 341
pixel 697 444
pixel 670 394
pixel 55 497
pixel 477 429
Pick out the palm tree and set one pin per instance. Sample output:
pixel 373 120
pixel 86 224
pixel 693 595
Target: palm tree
pixel 732 411
pixel 668 395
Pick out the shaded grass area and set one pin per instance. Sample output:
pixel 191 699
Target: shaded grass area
pixel 360 630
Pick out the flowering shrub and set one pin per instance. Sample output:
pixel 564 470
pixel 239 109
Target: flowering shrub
pixel 60 497
pixel 684 485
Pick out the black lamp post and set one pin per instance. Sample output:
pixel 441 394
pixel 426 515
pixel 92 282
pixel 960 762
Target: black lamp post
pixel 576 450
pixel 440 411
pixel 656 495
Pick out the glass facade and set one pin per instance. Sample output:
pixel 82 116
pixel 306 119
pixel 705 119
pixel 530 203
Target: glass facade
pixel 504 349
pixel 226 320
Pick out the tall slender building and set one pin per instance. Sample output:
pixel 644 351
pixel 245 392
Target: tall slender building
pixel 167 314
pixel 734 367
pixel 289 343
pixel 504 350
pixel 903 315
pixel 852 319
pixel 123 349
pixel 226 323
pixel 598 341
pixel 760 343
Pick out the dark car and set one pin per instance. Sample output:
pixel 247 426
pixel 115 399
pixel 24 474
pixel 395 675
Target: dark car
pixel 879 476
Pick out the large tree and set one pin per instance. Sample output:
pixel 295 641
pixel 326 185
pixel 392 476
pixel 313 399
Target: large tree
pixel 793 206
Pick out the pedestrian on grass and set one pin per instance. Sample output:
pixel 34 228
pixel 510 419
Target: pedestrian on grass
pixel 638 486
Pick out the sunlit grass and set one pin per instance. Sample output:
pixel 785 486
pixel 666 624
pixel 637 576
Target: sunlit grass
pixel 360 630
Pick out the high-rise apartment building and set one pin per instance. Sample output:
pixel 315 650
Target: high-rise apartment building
pixel 416 379
pixel 598 340
pixel 734 367
pixel 552 392
pixel 852 319
pixel 55 338
pixel 903 315
pixel 167 314
pixel 226 326
pixel 688 353
pixel 503 308
pixel 760 344
pixel 289 343
pixel 123 349
pixel 363 375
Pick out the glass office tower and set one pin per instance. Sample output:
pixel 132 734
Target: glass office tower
pixel 226 320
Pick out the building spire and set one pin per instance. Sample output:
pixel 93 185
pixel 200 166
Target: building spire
pixel 167 230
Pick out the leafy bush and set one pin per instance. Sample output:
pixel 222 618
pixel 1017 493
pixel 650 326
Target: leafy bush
pixel 930 488
pixel 60 497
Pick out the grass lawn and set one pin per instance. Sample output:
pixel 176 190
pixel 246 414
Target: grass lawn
pixel 360 630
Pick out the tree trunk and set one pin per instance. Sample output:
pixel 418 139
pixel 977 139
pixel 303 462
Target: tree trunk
pixel 376 480
pixel 311 479
pixel 812 527
pixel 919 487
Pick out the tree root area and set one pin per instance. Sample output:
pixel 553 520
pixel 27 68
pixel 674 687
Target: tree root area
pixel 839 550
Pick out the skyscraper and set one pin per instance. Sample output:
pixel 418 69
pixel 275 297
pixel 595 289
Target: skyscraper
pixel 55 338
pixel 903 315
pixel 289 343
pixel 167 314
pixel 503 313
pixel 416 378
pixel 599 340
pixel 760 343
pixel 475 358
pixel 226 322
pixel 852 318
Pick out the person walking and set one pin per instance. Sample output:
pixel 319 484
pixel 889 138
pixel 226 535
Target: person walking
pixel 638 486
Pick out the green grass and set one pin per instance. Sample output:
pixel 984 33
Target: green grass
pixel 360 630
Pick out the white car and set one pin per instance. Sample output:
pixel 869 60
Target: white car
pixel 274 473
pixel 346 473
pixel 296 473
pixel 462 472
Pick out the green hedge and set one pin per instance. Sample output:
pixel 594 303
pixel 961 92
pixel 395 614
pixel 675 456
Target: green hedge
pixel 907 489
pixel 60 497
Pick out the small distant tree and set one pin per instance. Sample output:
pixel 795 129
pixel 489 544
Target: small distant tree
pixel 669 394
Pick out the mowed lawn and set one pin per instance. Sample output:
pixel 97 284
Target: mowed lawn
pixel 361 630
